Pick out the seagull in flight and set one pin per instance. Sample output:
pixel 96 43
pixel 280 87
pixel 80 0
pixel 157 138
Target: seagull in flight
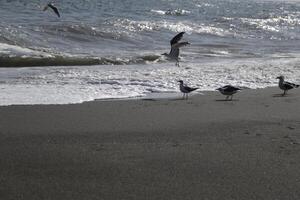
pixel 175 46
pixel 50 5
pixel 228 90
pixel 185 89
pixel 285 86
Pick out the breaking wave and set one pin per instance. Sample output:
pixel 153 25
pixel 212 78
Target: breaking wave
pixel 73 61
pixel 175 12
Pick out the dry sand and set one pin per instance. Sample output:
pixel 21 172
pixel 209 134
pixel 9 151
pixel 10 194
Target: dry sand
pixel 203 148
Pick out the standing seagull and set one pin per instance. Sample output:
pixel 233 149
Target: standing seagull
pixel 52 7
pixel 284 85
pixel 228 90
pixel 175 45
pixel 185 89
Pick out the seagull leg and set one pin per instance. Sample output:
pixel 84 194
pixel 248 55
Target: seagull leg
pixel 284 93
pixel 231 97
pixel 227 97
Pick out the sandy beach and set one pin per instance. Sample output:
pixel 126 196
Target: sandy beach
pixel 202 148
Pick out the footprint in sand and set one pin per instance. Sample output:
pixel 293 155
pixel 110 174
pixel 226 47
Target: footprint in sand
pixel 247 133
pixel 291 127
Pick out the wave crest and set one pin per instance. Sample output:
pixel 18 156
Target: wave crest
pixel 176 12
pixel 18 61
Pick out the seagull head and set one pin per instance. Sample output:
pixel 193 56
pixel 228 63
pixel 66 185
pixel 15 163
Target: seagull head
pixel 180 81
pixel 280 77
pixel 220 89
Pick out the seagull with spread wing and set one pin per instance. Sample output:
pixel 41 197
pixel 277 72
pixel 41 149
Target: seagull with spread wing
pixel 50 5
pixel 175 46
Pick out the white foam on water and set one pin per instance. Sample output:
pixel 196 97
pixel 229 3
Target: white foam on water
pixel 178 12
pixel 63 85
pixel 14 50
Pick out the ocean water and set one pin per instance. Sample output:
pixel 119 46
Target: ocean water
pixel 102 49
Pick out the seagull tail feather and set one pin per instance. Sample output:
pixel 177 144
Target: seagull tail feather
pixel 192 89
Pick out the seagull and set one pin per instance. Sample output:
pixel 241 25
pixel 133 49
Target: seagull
pixel 185 89
pixel 284 85
pixel 52 7
pixel 228 90
pixel 175 45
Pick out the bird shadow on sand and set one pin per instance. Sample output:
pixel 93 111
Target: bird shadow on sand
pixel 149 99
pixel 166 99
pixel 279 95
pixel 227 100
pixel 179 99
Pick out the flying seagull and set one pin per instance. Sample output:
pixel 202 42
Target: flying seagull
pixel 228 90
pixel 50 5
pixel 185 89
pixel 284 85
pixel 175 46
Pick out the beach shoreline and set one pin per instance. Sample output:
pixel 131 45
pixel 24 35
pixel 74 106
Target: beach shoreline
pixel 201 148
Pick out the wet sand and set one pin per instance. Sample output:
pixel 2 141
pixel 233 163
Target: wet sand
pixel 202 148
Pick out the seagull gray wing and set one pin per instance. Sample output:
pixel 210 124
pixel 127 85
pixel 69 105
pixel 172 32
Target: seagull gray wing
pixel 230 88
pixel 174 53
pixel 54 9
pixel 225 87
pixel 179 44
pixel 177 38
pixel 289 85
pixel 189 89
